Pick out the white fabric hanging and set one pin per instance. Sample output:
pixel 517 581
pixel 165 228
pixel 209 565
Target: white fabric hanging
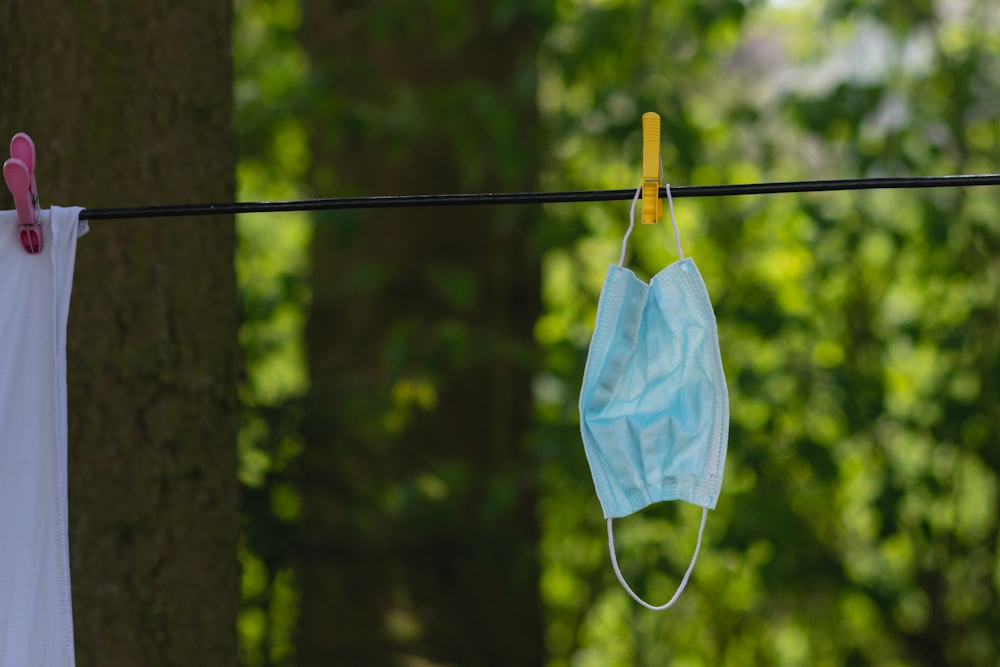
pixel 36 619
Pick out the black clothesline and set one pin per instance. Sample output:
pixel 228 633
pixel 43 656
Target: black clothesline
pixel 491 198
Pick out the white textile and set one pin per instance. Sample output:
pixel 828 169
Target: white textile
pixel 36 619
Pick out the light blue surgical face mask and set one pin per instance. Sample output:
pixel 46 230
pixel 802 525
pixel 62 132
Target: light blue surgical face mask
pixel 654 410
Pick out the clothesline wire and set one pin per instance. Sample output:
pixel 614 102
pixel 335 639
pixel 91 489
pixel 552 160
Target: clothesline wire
pixel 493 198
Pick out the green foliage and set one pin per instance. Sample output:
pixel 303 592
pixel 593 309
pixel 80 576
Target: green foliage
pixel 858 522
pixel 272 270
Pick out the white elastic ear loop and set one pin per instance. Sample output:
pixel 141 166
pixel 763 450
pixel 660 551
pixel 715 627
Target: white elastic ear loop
pixel 631 224
pixel 673 221
pixel 684 581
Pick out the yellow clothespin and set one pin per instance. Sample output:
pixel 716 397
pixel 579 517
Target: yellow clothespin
pixel 652 171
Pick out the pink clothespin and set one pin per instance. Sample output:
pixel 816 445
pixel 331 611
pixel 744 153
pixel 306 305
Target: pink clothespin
pixel 19 172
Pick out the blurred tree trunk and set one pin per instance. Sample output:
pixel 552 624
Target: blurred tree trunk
pixel 129 104
pixel 418 483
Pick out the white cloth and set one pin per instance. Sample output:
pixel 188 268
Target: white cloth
pixel 36 618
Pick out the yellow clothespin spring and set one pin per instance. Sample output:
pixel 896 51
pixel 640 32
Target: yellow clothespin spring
pixel 652 169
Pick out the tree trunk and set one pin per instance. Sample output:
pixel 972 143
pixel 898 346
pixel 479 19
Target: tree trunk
pixel 418 483
pixel 129 104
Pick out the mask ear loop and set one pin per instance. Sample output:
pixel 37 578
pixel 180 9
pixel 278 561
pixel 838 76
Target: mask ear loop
pixel 684 581
pixel 673 221
pixel 631 224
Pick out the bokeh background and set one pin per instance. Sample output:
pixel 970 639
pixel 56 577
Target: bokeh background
pixel 415 489
pixel 358 443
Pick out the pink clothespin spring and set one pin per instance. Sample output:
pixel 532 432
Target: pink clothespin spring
pixel 19 173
